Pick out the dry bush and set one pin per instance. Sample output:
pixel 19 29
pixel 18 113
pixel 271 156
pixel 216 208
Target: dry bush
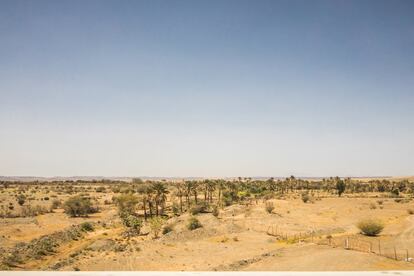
pixel 216 211
pixel 78 206
pixel 199 208
pixel 167 229
pixel 56 203
pixel 305 197
pixel 269 207
pixel 194 223
pixel 370 227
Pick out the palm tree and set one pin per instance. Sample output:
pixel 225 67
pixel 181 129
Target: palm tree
pixel 149 195
pixel 180 188
pixel 146 195
pixel 221 186
pixel 206 183
pixel 194 189
pixel 160 196
pixel 211 187
pixel 187 191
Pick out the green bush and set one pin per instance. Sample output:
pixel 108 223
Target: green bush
pixel 370 227
pixel 175 208
pixel 194 223
pixel 78 206
pixel 167 229
pixel 126 203
pixel 21 199
pixel 132 222
pixel 305 197
pixel 87 227
pixel 156 224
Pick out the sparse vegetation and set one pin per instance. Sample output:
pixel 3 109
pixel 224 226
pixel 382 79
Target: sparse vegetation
pixel 167 229
pixel 156 208
pixel 194 223
pixel 156 224
pixel 269 207
pixel 78 206
pixel 87 227
pixel 370 227
pixel 305 197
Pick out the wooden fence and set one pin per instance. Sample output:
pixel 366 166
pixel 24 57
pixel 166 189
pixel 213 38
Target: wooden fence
pixel 374 246
pixel 320 237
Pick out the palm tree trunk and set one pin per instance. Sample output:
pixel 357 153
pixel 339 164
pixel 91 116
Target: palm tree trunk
pixel 145 210
pixel 219 196
pixel 150 207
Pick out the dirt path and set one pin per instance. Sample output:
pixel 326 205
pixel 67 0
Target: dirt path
pixel 325 258
pixel 66 250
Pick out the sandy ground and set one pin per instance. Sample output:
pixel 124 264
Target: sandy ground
pixel 236 240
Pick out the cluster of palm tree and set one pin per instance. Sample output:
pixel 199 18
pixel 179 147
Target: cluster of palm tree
pixel 221 192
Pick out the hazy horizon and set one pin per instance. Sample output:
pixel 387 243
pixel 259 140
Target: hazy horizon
pixel 206 88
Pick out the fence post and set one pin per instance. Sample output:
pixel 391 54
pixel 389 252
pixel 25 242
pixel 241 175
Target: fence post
pixel 370 247
pixel 379 247
pixel 395 254
pixel 407 256
pixel 347 243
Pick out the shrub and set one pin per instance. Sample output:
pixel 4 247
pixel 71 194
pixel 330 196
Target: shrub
pixel 193 224
pixel 77 206
pixel 199 208
pixel 370 227
pixel 167 229
pixel 395 192
pixel 340 186
pixel 87 227
pixel 132 222
pixel 29 211
pixel 410 211
pixel 56 204
pixel 156 225
pixel 305 197
pixel 269 207
pixel 21 199
pixel 126 203
pixel 372 206
pixel 216 211
pixel 175 208
pixel 380 202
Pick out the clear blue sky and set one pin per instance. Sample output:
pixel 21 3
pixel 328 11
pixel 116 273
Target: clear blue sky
pixel 206 88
